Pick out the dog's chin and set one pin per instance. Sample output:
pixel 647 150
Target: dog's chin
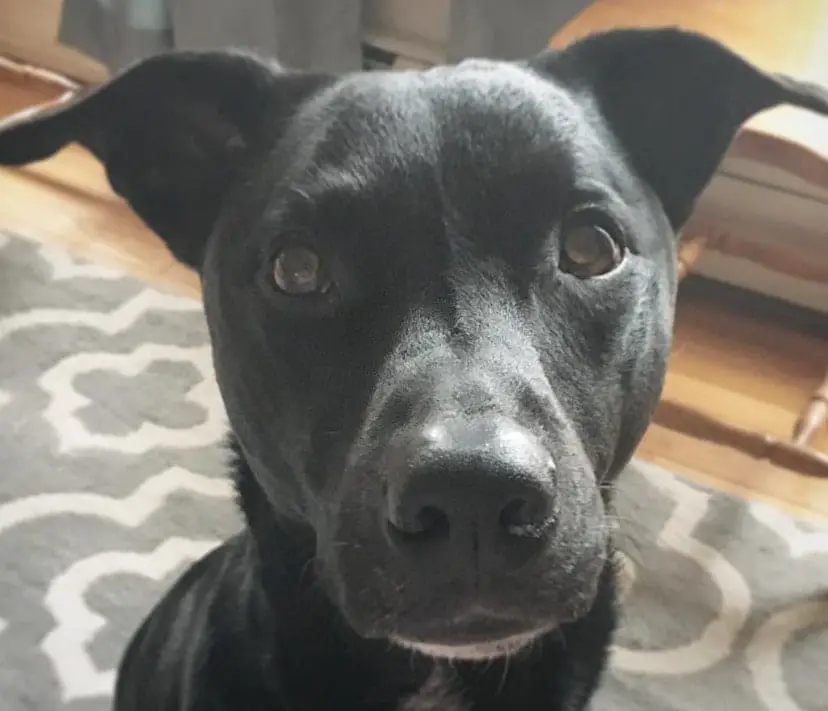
pixel 477 652
pixel 475 638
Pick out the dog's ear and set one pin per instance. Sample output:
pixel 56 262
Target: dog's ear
pixel 172 131
pixel 674 100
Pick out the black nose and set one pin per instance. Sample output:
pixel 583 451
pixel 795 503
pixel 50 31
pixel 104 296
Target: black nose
pixel 477 489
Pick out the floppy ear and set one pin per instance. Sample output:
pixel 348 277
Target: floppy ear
pixel 173 132
pixel 674 100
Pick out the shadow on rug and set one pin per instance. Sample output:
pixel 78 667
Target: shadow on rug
pixel 112 482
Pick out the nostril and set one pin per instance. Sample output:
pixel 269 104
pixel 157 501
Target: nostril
pixel 427 524
pixel 526 517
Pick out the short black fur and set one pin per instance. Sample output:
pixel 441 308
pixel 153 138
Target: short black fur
pixel 425 446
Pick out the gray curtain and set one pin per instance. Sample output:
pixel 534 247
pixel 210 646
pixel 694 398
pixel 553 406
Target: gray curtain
pixel 304 34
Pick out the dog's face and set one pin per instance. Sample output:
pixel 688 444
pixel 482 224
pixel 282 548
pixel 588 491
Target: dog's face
pixel 440 326
pixel 440 301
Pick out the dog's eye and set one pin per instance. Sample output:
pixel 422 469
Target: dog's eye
pixel 298 271
pixel 589 250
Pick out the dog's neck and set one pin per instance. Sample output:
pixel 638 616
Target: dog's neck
pixel 439 692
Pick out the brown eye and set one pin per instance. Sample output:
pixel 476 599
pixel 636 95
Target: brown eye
pixel 588 251
pixel 298 271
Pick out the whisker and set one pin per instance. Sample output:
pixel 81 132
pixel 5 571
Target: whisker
pixel 504 676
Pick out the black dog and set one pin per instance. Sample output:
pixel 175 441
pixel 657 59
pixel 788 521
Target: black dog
pixel 441 305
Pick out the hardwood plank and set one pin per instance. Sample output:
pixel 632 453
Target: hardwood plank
pixel 747 360
pixel 733 472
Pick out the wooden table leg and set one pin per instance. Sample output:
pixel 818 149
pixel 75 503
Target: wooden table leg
pixel 690 249
pixel 814 416
pixel 794 454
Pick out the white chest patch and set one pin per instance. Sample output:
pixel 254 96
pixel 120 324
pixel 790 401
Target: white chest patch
pixel 438 693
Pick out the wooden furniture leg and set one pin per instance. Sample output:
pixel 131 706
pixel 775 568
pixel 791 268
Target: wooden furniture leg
pixel 690 249
pixel 795 454
pixel 814 416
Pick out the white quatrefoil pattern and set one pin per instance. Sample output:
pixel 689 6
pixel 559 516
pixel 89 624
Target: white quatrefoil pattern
pixel 112 481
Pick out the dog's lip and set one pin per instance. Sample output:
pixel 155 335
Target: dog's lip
pixel 474 627
pixel 475 651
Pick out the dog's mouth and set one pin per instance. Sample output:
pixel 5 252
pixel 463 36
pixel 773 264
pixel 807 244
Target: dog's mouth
pixel 475 638
pixel 480 635
pixel 450 600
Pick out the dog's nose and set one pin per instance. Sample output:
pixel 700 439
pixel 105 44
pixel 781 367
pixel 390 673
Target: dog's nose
pixel 481 488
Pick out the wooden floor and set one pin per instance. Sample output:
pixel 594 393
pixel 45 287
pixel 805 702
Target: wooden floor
pixel 755 367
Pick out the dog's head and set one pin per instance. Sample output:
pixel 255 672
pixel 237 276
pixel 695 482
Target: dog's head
pixel 440 301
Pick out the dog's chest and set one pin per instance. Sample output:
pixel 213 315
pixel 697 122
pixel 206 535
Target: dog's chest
pixel 438 693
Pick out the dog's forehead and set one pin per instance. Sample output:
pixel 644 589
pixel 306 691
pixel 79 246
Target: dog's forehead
pixel 478 112
pixel 485 154
pixel 489 145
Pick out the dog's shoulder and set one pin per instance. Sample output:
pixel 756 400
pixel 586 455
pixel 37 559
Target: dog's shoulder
pixel 173 659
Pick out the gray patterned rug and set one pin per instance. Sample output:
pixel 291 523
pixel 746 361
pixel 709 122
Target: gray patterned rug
pixel 111 482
